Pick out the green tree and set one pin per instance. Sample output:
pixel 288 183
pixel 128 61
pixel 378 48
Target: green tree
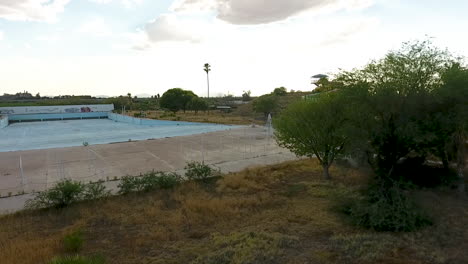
pixel 176 99
pixel 388 99
pixel 246 96
pixel 314 128
pixel 198 104
pixel 265 104
pixel 280 91
pixel 207 69
pixel 451 119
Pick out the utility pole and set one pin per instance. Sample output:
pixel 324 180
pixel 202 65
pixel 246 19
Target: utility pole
pixel 207 69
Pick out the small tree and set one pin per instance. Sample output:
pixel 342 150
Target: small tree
pixel 176 99
pixel 280 91
pixel 314 128
pixel 246 96
pixel 198 104
pixel 265 104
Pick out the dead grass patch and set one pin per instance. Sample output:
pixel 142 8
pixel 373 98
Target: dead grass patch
pixel 195 223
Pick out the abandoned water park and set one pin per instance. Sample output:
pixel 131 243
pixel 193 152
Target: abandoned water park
pixel 223 132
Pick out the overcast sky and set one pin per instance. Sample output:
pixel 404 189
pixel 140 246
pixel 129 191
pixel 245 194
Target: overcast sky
pixel 113 47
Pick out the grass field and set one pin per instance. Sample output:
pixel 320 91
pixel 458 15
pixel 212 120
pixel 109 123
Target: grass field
pixel 283 213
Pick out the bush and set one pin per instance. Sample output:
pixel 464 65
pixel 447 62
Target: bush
pixel 385 207
pixel 168 180
pixel 149 181
pixel 247 247
pixel 67 192
pixel 61 195
pixel 128 184
pixel 73 242
pixel 78 260
pixel 199 171
pixel 95 191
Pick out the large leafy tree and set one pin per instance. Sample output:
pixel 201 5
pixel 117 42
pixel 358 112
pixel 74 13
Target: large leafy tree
pixel 389 100
pixel 314 127
pixel 176 99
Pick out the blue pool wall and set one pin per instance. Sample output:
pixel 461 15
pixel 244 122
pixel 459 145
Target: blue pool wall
pixel 3 121
pixel 148 122
pixel 61 116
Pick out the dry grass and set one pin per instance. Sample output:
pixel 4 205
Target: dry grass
pixel 191 222
pixel 212 116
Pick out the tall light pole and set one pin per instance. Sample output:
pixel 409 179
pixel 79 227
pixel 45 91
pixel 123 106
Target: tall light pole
pixel 207 69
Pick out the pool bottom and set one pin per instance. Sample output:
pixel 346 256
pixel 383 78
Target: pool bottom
pixel 69 133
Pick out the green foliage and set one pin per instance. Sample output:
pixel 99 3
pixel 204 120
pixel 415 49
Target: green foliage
pixel 176 99
pixel 73 242
pixel 314 128
pixel 199 172
pixel 148 182
pixel 247 247
pixel 386 207
pixel 265 104
pixel 280 91
pixel 67 192
pixel 198 104
pixel 78 260
pixel 95 191
pixel 389 100
pixel 246 96
pixel 61 195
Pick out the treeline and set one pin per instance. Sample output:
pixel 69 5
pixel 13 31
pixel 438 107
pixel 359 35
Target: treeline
pixel 405 116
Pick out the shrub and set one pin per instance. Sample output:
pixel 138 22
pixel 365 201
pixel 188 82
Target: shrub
pixel 78 260
pixel 128 184
pixel 67 192
pixel 73 242
pixel 95 191
pixel 168 180
pixel 385 207
pixel 199 171
pixel 149 181
pixel 61 195
pixel 247 247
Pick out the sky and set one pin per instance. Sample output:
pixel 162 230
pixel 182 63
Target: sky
pixel 145 47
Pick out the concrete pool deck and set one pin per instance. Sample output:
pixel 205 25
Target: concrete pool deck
pixel 229 150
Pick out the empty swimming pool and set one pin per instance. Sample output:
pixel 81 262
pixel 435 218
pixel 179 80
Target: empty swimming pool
pixel 69 133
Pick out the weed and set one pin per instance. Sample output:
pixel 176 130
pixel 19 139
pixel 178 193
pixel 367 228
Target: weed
pixel 364 247
pixel 78 260
pixel 73 242
pixel 247 247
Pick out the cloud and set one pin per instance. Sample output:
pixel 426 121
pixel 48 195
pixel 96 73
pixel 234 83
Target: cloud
pixel 169 27
pixel 250 12
pixel 33 10
pixel 96 26
pixel 126 3
pixel 1 35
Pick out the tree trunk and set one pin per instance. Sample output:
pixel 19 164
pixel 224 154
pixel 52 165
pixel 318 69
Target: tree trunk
pixel 461 178
pixel 326 173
